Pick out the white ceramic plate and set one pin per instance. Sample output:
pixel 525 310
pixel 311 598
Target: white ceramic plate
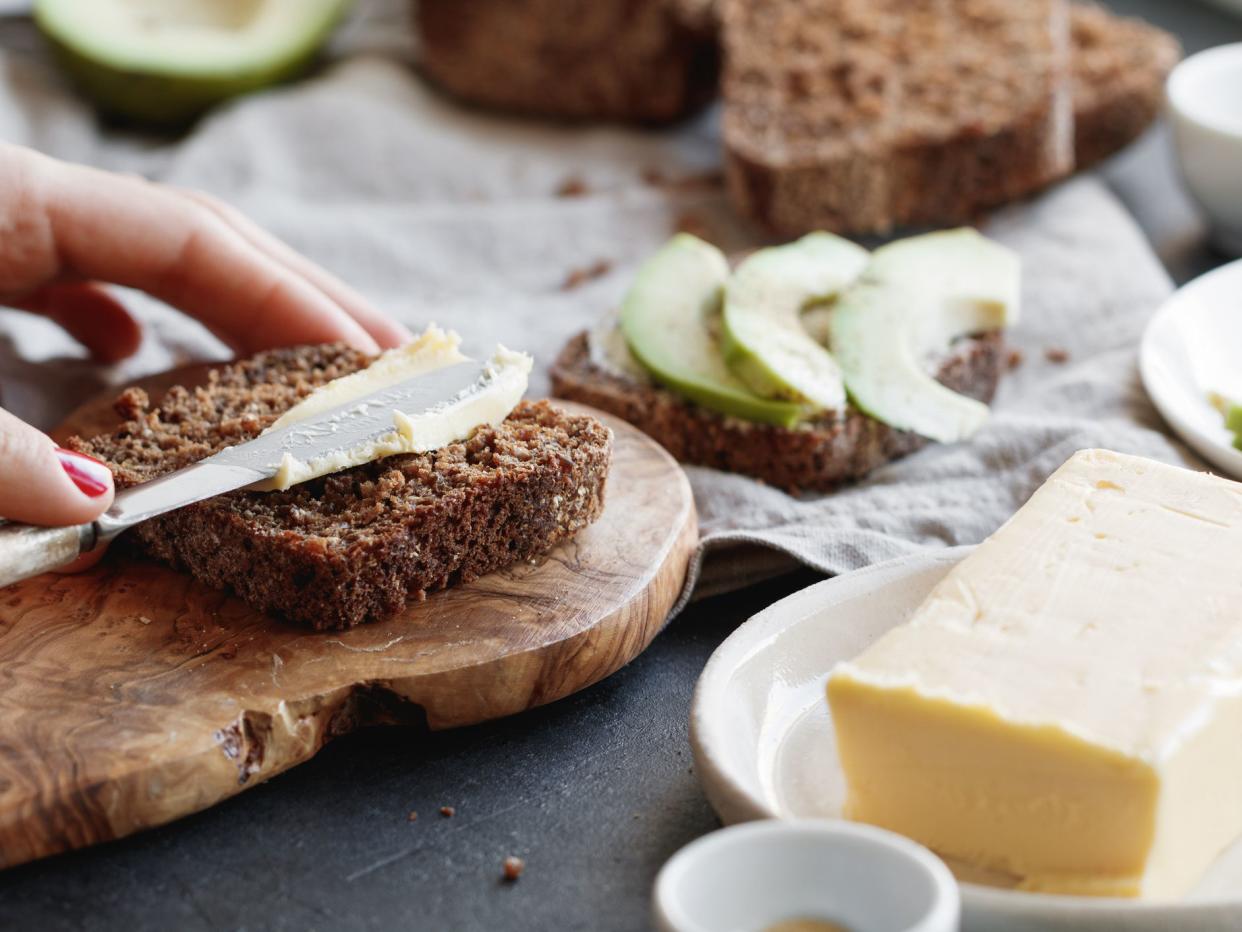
pixel 1193 346
pixel 764 748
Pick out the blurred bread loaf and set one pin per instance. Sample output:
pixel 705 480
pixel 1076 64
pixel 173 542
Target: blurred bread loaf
pixel 645 61
pixel 850 115
pixel 1120 66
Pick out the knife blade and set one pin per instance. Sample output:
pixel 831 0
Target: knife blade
pixel 26 550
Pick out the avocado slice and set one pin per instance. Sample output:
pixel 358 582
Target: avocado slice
pixel 916 297
pixel 667 318
pixel 166 61
pixel 1231 411
pixel 764 340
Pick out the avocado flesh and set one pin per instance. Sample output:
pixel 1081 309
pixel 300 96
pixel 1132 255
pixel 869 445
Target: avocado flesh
pixel 165 62
pixel 667 318
pixel 764 340
pixel 915 298
pixel 1233 418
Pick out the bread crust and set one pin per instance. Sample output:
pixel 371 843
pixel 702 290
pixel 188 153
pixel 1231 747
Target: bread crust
pixel 356 545
pixel 818 456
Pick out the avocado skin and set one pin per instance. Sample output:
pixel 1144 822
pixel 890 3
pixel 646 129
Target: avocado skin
pixel 175 101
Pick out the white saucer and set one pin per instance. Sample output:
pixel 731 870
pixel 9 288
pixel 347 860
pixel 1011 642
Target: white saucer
pixel 1193 346
pixel 763 745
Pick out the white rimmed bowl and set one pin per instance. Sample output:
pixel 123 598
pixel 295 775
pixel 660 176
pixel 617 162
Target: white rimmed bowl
pixel 749 877
pixel 1205 108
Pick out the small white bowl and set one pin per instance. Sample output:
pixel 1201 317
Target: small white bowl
pixel 748 877
pixel 1205 104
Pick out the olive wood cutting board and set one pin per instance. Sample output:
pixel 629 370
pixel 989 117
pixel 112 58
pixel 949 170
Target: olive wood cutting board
pixel 133 695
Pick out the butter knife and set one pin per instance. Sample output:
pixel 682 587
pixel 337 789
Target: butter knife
pixel 27 550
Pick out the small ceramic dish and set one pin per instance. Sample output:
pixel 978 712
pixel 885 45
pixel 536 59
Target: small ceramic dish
pixel 764 747
pixel 1205 107
pixel 1191 349
pixel 812 875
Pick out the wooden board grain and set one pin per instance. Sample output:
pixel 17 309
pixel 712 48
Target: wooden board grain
pixel 132 695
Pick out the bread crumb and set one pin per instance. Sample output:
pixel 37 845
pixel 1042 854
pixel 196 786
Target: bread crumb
pixel 697 181
pixel 579 277
pixel 144 619
pixel 412 817
pixel 513 868
pixel 1014 359
pixel 448 812
pixel 573 186
pixel 1056 354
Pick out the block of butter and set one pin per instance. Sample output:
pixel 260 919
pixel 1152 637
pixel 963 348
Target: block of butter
pixel 488 401
pixel 1066 705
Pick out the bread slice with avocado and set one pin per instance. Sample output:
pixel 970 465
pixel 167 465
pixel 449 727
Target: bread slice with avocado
pixel 818 455
pixel 910 336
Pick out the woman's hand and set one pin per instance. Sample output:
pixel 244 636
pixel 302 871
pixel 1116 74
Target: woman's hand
pixel 66 229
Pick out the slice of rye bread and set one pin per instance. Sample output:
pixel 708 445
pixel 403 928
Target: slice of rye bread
pixel 1120 66
pixel 796 165
pixel 817 456
pixel 646 61
pixel 359 544
pixel 864 115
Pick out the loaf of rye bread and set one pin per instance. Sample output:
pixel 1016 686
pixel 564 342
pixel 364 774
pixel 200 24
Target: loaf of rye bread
pixel 865 115
pixel 798 162
pixel 1120 66
pixel 816 456
pixel 359 544
pixel 647 61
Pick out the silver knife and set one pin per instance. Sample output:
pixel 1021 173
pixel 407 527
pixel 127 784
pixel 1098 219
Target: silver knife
pixel 26 550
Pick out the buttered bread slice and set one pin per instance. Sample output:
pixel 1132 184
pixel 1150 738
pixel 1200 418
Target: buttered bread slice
pixel 1066 705
pixel 360 544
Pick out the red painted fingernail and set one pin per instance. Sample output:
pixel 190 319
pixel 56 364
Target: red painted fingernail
pixel 87 473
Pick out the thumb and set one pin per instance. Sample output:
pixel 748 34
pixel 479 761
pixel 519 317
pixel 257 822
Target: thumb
pixel 40 483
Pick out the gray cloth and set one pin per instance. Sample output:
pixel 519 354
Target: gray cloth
pixel 439 213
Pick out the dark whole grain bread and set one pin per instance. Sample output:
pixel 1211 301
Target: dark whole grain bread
pixel 358 544
pixel 646 61
pixel 865 115
pixel 804 90
pixel 1120 66
pixel 817 456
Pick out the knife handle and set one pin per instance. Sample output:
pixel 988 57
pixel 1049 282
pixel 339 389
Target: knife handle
pixel 26 550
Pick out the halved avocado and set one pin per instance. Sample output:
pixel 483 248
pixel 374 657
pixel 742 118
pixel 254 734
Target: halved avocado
pixel 916 297
pixel 167 61
pixel 668 317
pixel 764 340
